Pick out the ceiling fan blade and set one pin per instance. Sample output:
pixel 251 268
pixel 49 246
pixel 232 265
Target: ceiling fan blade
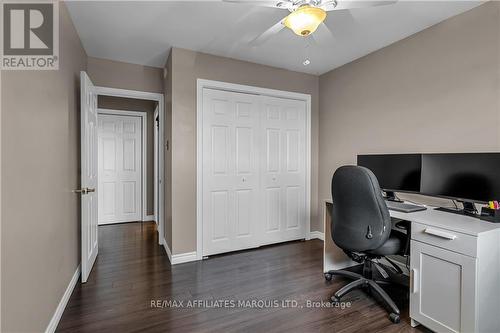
pixel 350 4
pixel 268 34
pixel 285 4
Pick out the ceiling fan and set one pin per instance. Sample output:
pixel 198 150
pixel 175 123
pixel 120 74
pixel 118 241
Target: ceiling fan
pixel 305 15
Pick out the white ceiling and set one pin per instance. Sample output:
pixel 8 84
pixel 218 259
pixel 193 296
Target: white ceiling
pixel 143 32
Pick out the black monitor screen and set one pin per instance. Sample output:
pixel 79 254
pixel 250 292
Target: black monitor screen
pixel 395 172
pixel 470 177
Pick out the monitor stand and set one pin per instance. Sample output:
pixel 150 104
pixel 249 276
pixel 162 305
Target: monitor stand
pixel 469 209
pixel 391 196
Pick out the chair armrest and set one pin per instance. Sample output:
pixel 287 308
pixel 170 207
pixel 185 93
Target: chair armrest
pixel 405 225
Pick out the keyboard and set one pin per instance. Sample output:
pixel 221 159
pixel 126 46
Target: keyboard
pixel 403 207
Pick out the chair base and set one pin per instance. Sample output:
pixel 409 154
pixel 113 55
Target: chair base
pixel 359 282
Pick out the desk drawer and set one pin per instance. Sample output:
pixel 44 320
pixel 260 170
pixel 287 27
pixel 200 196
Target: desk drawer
pixel 446 239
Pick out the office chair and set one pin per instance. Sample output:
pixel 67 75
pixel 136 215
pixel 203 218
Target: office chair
pixel 361 227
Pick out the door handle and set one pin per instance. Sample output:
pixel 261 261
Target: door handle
pixel 84 190
pixel 439 233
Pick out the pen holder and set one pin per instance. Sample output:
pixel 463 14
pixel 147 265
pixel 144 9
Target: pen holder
pixel 490 215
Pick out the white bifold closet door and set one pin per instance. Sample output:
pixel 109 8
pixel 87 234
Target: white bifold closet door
pixel 283 156
pixel 254 163
pixel 120 169
pixel 230 171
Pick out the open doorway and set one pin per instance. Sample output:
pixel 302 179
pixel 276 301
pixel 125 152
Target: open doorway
pixel 126 175
pixel 90 188
pixel 114 98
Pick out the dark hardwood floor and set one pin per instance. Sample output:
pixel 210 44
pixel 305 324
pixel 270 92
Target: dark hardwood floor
pixel 132 271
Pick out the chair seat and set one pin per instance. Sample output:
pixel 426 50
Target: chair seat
pixel 394 245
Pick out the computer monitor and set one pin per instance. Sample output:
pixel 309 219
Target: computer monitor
pixel 466 177
pixel 395 172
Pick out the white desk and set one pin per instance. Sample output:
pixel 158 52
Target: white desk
pixel 454 270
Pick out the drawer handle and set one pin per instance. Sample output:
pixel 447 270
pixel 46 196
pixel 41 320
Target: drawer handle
pixel 439 233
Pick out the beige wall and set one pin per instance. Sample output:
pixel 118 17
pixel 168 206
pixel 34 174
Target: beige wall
pixel 132 104
pixel 436 91
pixel 116 74
pixel 187 66
pixel 40 166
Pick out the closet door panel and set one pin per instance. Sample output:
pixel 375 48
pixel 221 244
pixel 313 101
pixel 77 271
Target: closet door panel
pixel 230 171
pixel 219 206
pixel 283 164
pixel 217 177
pixel 244 204
pixel 246 172
pixel 272 204
pixel 294 168
pixel 293 203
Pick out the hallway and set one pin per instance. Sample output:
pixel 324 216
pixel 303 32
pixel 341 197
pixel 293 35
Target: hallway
pixel 132 271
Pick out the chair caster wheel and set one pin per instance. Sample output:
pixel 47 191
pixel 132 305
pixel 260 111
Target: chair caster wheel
pixel 334 299
pixel 328 277
pixel 394 317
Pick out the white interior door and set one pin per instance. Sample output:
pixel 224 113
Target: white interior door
pixel 283 168
pixel 230 171
pixel 120 168
pixel 89 231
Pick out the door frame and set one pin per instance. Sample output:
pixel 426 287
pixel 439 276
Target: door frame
pixel 225 86
pixel 144 137
pixel 155 162
pixel 157 97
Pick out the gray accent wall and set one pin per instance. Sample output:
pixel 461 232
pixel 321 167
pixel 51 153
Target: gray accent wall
pixel 436 91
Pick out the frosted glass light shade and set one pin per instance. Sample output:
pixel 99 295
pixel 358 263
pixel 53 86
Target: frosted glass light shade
pixel 305 20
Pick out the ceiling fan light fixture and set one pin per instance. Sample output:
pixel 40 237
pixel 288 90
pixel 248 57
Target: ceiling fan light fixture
pixel 305 20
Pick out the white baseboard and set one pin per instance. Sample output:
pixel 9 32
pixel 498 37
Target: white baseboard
pixel 63 302
pixel 178 258
pixel 184 257
pixel 317 235
pixel 148 218
pixel 167 249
